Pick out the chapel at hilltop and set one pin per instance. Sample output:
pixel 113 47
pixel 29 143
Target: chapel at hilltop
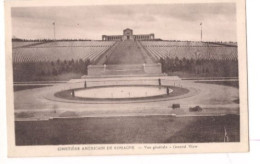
pixel 128 35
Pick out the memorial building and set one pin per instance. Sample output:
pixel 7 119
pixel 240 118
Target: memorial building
pixel 128 35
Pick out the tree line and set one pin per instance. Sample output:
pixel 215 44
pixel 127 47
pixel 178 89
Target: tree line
pixel 46 40
pixel 28 71
pixel 31 71
pixel 200 67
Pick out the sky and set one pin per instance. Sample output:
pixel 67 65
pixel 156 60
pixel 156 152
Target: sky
pixel 166 21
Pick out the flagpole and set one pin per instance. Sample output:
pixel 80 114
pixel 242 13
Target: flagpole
pixel 54 30
pixel 201 32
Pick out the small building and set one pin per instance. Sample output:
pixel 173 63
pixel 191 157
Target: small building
pixel 128 35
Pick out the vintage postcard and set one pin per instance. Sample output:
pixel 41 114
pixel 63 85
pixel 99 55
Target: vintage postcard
pixel 126 77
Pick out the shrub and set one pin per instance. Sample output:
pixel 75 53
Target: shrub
pixel 195 109
pixel 175 106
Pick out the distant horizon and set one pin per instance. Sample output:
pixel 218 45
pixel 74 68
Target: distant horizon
pixel 167 22
pixel 75 39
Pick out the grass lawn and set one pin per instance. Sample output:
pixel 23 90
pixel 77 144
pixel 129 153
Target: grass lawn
pixel 226 83
pixel 152 129
pixel 24 87
pixel 60 77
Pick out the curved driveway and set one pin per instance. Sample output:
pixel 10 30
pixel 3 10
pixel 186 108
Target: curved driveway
pixel 42 104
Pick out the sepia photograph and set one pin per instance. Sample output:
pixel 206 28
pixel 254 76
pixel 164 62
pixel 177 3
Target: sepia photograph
pixel 126 78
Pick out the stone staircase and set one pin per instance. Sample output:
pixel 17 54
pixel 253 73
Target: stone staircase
pixel 125 58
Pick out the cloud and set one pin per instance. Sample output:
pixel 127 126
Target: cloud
pixel 176 21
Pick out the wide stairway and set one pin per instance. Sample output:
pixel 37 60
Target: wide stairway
pixel 125 58
pixel 127 52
